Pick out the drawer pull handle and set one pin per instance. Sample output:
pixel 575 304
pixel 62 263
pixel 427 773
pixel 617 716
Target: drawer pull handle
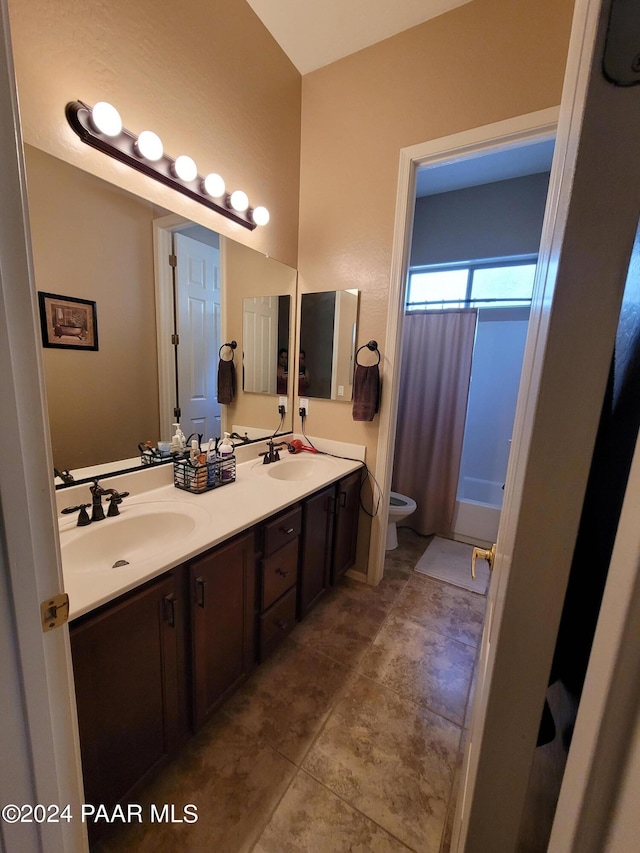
pixel 281 573
pixel 201 586
pixel 170 610
pixel 288 531
pixel 343 499
pixel 282 625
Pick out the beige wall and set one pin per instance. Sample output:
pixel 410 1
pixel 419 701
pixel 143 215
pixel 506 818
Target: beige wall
pixel 204 74
pixel 93 241
pixel 483 62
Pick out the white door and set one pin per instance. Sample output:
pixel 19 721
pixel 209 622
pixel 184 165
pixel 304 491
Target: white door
pixel 198 326
pixel 592 216
pixel 260 344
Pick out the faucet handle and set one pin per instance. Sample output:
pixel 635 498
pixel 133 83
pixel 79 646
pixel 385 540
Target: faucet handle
pixel 83 516
pixel 114 499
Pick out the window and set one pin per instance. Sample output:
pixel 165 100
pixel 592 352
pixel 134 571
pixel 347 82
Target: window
pixel 498 284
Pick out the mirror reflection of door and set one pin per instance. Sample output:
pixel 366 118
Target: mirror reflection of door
pixel 260 343
pixel 198 327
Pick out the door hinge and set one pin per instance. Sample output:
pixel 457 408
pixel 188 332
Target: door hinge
pixel 173 260
pixel 175 340
pixel 54 611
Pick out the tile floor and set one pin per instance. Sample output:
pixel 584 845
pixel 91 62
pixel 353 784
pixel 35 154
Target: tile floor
pixel 347 739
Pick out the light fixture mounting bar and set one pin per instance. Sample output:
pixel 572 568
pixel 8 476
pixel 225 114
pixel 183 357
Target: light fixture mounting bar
pixel 122 148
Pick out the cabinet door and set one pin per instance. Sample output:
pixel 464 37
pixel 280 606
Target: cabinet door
pixel 317 540
pixel 222 594
pixel 128 663
pixel 346 524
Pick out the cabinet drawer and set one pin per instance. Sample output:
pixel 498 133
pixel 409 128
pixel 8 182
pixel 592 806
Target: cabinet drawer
pixel 279 572
pixel 282 530
pixel 276 623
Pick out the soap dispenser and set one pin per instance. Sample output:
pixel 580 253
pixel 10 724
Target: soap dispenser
pixel 178 440
pixel 225 450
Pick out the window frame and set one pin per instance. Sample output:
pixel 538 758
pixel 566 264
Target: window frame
pixel 468 302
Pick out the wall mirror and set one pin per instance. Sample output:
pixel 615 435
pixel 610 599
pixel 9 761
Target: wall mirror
pixel 328 327
pixel 94 241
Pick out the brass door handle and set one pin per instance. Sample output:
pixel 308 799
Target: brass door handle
pixel 488 554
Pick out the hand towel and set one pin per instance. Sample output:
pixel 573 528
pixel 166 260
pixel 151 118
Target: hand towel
pixel 226 381
pixel 366 392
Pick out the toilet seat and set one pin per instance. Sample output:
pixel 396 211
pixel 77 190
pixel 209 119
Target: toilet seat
pixel 399 507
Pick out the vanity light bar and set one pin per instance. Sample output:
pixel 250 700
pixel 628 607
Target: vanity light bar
pixel 102 129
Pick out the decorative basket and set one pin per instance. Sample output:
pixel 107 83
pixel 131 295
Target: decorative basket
pixel 202 478
pixel 149 459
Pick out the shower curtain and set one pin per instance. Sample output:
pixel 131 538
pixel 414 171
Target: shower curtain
pixel 437 347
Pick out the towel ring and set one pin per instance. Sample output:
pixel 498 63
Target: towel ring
pixel 232 345
pixel 371 345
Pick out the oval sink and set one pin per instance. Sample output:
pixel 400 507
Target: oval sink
pixel 138 533
pixel 299 469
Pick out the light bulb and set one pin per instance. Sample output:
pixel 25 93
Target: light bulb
pixel 106 119
pixel 185 168
pixel 149 145
pixel 239 201
pixel 260 215
pixel 214 185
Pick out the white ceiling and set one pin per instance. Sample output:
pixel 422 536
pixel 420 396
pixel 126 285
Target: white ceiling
pixel 314 33
pixel 502 165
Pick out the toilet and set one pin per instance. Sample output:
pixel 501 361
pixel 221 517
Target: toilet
pixel 400 506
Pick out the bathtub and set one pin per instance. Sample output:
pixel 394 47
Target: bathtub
pixel 477 513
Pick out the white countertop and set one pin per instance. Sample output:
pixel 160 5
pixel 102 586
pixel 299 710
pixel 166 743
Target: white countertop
pixel 219 514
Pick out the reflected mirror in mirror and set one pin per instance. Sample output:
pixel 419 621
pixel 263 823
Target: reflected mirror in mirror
pixel 265 328
pixel 93 240
pixel 328 328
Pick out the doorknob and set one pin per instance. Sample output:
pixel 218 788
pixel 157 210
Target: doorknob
pixel 488 554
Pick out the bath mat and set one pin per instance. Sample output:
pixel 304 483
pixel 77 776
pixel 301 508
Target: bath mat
pixel 450 561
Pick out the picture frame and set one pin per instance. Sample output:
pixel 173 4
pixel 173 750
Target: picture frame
pixel 68 322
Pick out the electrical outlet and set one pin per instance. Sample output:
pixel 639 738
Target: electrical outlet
pixel 282 404
pixel 304 404
pixel 340 390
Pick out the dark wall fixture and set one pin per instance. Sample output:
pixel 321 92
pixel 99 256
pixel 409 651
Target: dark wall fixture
pixel 100 127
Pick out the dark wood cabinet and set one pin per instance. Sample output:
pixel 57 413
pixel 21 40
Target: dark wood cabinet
pixel 278 579
pixel 159 660
pixel 345 537
pixel 316 549
pixel 223 626
pixel 129 669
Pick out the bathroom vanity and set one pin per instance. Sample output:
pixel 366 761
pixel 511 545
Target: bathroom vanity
pixel 174 636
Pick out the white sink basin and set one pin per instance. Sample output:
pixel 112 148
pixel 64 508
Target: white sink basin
pixel 300 468
pixel 140 531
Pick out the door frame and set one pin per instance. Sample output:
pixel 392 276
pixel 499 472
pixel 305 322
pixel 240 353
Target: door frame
pixel 588 236
pixel 512 133
pixel 590 224
pixel 163 231
pixel 40 748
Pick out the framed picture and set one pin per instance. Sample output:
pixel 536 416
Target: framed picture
pixel 67 322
